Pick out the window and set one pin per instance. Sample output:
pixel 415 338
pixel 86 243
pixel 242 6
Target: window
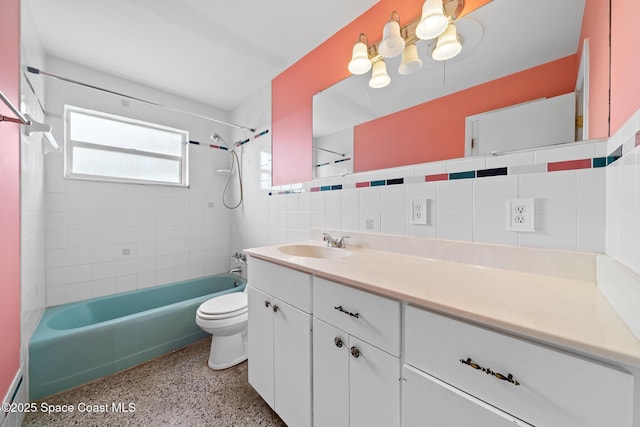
pixel 106 147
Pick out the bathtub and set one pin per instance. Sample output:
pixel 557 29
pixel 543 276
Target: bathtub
pixel 79 342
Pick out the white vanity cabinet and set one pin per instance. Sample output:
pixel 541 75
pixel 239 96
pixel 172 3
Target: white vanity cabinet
pixel 356 363
pixel 280 340
pixel 480 374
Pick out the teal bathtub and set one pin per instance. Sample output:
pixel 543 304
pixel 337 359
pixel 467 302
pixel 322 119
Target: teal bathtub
pixel 78 342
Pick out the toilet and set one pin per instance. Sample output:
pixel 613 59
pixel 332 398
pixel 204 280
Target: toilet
pixel 225 318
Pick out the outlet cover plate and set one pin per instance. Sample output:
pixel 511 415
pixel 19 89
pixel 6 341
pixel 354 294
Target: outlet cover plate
pixel 521 215
pixel 419 211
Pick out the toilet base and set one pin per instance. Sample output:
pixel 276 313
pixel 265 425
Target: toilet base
pixel 228 351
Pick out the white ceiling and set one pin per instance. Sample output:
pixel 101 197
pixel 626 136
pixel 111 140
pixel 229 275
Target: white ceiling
pixel 216 52
pixel 221 52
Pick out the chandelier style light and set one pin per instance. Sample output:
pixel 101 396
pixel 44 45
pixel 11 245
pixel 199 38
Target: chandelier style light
pixel 436 24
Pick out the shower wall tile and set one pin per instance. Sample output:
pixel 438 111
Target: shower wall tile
pixel 104 238
pixel 490 197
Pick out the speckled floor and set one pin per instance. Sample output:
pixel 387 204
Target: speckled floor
pixel 175 389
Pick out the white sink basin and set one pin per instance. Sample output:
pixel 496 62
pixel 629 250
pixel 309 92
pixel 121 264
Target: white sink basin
pixel 311 251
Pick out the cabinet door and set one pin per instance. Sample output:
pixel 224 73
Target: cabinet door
pixel 428 401
pixel 260 332
pixel 330 376
pixel 292 362
pixel 374 386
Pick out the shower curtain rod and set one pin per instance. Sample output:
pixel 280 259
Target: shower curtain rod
pixel 34 70
pixel 21 119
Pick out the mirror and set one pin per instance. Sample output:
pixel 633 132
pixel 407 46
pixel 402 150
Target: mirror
pixel 495 44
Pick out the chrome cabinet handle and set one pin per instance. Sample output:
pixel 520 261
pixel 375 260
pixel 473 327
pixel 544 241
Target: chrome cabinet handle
pixel 355 352
pixel 267 304
pixel 275 308
pixel 338 342
pixel 508 378
pixel 342 310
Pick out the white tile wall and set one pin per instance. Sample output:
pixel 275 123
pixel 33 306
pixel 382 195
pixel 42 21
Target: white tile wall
pixel 490 198
pixel 570 204
pixel 103 238
pixel 454 208
pixel 33 214
pixel 623 200
pixel 111 234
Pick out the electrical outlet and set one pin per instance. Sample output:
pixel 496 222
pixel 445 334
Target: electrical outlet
pixel 419 211
pixel 521 215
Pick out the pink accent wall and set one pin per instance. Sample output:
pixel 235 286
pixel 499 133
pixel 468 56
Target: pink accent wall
pixel 293 90
pixel 10 196
pixel 439 125
pixel 625 62
pixel 595 27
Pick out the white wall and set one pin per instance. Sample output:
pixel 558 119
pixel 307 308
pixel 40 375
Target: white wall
pixel 570 204
pixel 171 233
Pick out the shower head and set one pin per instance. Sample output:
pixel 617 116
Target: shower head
pixel 217 138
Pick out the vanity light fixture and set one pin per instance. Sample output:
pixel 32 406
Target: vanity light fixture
pixel 360 62
pixel 379 76
pixel 448 44
pixel 433 21
pixel 410 60
pixel 392 42
pixel 437 20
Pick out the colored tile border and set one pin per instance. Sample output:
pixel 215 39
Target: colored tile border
pixel 395 181
pixel 462 175
pixel 235 144
pixel 569 165
pixel 438 177
pixel 599 162
pixel 491 172
pixel 588 163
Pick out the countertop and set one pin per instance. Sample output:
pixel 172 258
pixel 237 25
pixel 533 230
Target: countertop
pixel 565 313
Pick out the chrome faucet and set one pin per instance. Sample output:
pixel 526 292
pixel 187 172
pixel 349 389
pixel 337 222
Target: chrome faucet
pixel 333 243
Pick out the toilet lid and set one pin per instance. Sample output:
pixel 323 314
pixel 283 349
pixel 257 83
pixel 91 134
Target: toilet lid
pixel 224 304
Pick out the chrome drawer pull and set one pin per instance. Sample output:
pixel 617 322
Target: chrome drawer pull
pixel 508 378
pixel 342 310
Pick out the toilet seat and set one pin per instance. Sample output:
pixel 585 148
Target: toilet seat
pixel 223 307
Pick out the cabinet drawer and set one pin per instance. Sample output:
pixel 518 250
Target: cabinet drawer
pixel 553 388
pixel 370 317
pixel 290 286
pixel 427 401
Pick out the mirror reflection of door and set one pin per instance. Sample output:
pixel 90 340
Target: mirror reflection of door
pixel 582 95
pixel 533 124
